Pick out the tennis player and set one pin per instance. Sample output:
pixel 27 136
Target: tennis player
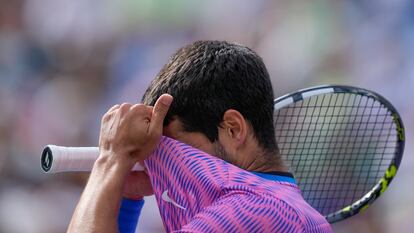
pixel 216 169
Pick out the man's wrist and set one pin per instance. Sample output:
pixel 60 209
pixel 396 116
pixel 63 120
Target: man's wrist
pixel 121 164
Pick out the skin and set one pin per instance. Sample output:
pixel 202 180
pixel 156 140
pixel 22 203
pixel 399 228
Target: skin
pixel 129 133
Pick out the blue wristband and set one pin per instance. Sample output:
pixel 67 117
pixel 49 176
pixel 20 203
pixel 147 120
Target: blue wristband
pixel 129 214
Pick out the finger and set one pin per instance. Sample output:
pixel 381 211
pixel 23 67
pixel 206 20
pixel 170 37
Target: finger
pixel 160 111
pixel 124 108
pixel 116 106
pixel 142 110
pixel 109 114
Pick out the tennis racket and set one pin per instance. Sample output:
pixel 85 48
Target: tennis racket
pixel 343 144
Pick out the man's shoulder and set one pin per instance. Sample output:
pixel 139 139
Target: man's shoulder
pixel 272 201
pixel 265 210
pixel 242 179
pixel 242 210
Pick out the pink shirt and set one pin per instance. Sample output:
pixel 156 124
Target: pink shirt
pixel 197 192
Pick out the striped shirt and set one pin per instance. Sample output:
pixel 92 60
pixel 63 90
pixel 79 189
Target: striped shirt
pixel 197 192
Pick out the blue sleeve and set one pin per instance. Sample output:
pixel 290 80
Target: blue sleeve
pixel 129 214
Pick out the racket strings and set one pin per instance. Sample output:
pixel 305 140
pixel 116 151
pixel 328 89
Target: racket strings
pixel 338 146
pixel 332 163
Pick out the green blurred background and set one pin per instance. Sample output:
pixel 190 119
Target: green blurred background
pixel 64 62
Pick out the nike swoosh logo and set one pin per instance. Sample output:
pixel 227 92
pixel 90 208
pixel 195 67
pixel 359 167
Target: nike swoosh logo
pixel 166 198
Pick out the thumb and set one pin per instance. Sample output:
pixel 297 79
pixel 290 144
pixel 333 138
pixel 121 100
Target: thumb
pixel 160 111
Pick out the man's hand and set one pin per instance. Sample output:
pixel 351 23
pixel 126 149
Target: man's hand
pixel 129 133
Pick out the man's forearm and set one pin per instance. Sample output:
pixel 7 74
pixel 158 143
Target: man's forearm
pixel 98 208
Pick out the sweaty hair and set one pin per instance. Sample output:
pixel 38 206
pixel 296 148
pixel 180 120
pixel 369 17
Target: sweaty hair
pixel 206 79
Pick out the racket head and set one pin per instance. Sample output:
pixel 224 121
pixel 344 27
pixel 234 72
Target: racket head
pixel 344 145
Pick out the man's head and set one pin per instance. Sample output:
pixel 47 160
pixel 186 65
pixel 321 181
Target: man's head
pixel 223 100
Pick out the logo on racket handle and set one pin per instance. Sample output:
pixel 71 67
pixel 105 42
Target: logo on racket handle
pixel 47 159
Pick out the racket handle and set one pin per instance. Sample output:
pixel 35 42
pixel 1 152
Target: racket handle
pixel 57 159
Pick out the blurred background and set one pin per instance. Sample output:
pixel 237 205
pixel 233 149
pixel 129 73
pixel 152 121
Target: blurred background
pixel 63 63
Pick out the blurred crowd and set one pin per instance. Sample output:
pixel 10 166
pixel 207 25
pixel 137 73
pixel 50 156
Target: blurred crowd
pixel 63 63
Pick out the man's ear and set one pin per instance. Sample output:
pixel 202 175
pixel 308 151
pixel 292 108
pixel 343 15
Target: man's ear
pixel 233 129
